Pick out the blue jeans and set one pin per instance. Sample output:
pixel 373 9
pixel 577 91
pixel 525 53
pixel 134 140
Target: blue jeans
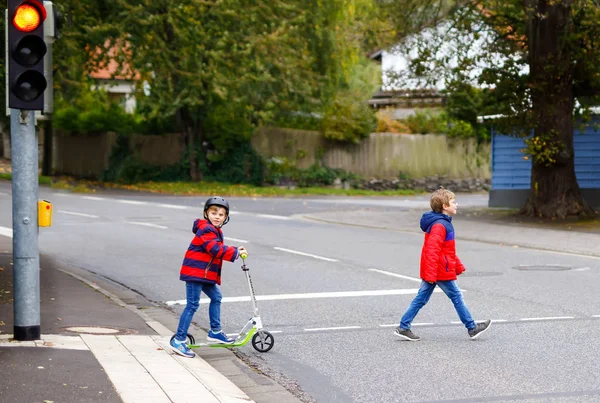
pixel 192 294
pixel 451 290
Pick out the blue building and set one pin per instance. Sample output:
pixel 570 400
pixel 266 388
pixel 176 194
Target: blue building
pixel 511 174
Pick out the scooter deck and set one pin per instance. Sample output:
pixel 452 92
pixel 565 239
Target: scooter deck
pixel 237 343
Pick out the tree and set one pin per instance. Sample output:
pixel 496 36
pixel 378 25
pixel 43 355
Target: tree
pixel 202 59
pixel 540 57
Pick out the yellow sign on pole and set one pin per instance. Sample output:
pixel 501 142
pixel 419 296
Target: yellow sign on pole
pixel 44 213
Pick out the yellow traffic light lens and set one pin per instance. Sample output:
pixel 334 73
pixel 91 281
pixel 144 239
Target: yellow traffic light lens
pixel 27 18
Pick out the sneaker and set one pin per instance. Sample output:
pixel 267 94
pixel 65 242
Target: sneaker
pixel 479 329
pixel 406 334
pixel 181 348
pixel 219 337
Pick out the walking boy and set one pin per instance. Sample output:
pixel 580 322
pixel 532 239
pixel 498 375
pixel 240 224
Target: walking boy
pixel 440 266
pixel 201 271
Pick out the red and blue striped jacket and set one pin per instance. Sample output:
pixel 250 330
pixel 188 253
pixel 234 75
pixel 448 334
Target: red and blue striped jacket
pixel 204 258
pixel 438 256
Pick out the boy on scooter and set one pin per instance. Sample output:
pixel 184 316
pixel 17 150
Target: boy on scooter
pixel 201 271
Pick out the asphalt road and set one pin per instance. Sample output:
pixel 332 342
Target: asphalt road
pixel 332 295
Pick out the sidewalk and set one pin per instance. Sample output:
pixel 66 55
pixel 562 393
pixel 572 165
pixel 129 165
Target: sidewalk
pixel 97 347
pixel 481 225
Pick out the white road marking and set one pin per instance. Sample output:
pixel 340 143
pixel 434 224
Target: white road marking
pixel 147 224
pixel 548 318
pixel 77 214
pixel 134 202
pixel 316 295
pixel 595 316
pixel 236 240
pixel 295 252
pixel 93 198
pixel 581 269
pixel 414 324
pixel 6 232
pixel 387 273
pixel 173 206
pixel 318 329
pixel 275 217
pixel 3 194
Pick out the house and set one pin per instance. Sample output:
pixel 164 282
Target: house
pixel 119 85
pixel 400 102
pixel 402 92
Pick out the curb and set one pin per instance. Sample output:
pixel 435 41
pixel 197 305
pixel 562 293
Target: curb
pixel 219 385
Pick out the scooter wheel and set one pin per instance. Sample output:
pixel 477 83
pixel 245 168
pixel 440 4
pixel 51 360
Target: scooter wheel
pixel 263 341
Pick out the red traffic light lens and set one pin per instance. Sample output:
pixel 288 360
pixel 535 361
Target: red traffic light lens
pixel 27 18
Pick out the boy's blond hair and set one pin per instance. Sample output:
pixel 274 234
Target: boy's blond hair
pixel 441 197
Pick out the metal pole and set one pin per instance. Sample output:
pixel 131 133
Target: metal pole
pixel 26 257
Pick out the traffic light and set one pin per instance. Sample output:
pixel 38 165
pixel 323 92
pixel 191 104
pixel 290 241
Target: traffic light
pixel 26 49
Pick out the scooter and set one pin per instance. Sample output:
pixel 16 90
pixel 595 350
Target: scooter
pixel 262 340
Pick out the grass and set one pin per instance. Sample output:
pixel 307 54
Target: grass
pixel 205 188
pixel 42 180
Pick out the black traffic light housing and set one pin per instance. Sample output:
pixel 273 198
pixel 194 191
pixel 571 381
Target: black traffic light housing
pixel 26 49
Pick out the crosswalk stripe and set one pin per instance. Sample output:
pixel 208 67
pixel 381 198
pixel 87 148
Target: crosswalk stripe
pixel 314 295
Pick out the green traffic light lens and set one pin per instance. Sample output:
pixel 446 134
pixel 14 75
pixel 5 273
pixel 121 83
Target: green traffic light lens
pixel 29 51
pixel 29 86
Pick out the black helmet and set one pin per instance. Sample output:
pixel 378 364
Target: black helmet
pixel 217 201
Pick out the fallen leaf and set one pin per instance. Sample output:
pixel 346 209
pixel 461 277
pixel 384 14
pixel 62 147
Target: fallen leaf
pixel 48 344
pixel 58 318
pixel 1 268
pixel 160 348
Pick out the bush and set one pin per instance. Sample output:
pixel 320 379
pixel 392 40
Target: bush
pixel 124 168
pixel 461 129
pixel 427 122
pixel 280 171
pixel 348 120
pixel 93 112
pixel 239 165
pixel 385 124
